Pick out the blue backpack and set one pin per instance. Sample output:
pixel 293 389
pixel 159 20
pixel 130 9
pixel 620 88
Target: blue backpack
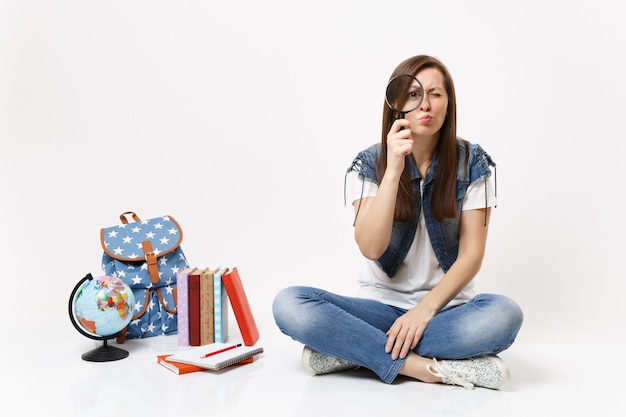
pixel 146 255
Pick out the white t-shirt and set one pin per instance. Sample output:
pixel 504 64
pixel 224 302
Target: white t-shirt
pixel 420 271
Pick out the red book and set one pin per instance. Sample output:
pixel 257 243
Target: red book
pixel 194 307
pixel 186 368
pixel 178 367
pixel 241 307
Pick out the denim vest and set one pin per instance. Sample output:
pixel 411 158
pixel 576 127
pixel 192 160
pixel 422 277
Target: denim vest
pixel 444 235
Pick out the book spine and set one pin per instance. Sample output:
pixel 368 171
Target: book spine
pixel 206 307
pixel 220 318
pixel 224 309
pixel 194 309
pixel 182 306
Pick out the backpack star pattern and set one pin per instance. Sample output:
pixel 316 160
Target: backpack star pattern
pixel 125 257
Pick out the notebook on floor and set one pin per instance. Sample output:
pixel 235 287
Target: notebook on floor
pixel 215 356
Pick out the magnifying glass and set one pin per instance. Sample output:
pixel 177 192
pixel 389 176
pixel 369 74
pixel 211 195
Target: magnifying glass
pixel 404 94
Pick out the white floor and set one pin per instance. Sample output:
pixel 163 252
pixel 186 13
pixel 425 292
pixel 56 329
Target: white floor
pixel 547 380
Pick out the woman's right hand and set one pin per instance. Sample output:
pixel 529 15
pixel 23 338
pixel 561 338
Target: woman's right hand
pixel 399 144
pixel 374 215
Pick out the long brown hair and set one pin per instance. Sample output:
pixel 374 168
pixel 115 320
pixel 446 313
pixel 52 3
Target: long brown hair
pixel 444 191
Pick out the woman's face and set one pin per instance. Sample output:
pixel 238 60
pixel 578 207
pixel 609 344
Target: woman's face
pixel 428 118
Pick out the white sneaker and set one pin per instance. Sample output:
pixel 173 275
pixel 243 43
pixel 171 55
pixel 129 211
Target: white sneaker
pixel 320 364
pixel 486 371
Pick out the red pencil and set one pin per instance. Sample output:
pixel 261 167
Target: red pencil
pixel 221 350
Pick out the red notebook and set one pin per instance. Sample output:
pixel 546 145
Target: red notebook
pixel 241 307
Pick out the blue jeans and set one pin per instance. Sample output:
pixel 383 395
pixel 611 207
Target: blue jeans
pixel 354 328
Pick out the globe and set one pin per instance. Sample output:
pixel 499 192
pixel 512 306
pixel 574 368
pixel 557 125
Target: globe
pixel 100 308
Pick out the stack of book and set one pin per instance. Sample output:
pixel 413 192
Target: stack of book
pixel 203 298
pixel 215 356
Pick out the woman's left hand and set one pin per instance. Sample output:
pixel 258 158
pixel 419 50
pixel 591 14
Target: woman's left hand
pixel 406 332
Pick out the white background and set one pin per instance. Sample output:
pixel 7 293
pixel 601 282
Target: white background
pixel 240 118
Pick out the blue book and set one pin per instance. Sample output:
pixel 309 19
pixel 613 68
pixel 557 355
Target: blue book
pixel 220 306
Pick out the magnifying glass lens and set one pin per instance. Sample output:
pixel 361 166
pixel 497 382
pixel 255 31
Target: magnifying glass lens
pixel 404 94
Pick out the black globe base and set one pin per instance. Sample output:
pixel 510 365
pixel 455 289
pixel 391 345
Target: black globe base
pixel 105 353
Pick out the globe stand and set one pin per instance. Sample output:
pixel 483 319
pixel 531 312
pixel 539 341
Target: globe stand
pixel 104 353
